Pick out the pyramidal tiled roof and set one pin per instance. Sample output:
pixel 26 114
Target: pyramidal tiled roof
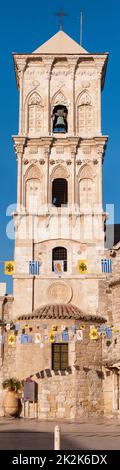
pixel 60 43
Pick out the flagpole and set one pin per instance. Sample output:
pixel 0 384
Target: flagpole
pixel 81 27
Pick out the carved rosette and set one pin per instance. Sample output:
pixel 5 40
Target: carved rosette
pixel 60 292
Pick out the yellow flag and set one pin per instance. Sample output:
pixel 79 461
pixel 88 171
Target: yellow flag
pixel 11 339
pixel 9 268
pixel 52 337
pixel 83 266
pixel 93 333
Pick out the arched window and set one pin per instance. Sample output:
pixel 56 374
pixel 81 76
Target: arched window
pixel 86 191
pixel 59 253
pixel 84 114
pixel 32 195
pixel 60 119
pixel 35 114
pixel 85 186
pixel 59 192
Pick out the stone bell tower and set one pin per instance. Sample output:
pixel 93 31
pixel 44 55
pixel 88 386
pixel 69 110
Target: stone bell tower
pixel 60 150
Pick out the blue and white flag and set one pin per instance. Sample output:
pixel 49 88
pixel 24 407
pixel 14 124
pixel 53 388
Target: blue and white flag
pixel 34 268
pixel 65 336
pixel 106 265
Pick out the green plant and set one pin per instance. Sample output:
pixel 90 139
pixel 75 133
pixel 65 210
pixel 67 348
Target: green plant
pixel 12 384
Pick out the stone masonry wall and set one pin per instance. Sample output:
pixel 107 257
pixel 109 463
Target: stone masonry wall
pixel 68 394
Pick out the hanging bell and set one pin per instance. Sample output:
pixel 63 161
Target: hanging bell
pixel 60 125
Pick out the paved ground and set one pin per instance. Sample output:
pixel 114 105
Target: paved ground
pixel 24 434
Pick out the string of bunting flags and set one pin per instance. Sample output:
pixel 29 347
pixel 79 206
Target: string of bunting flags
pixel 35 265
pixel 27 335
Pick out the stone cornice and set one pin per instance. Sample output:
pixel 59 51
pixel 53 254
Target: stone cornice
pixel 21 61
pixel 74 142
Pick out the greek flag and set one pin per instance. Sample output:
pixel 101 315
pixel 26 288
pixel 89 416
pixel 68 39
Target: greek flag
pixel 34 268
pixel 106 265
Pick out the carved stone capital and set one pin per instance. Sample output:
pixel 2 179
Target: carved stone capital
pixel 100 150
pixel 20 66
pixel 46 151
pixel 99 63
pixel 48 61
pixel 19 145
pixel 18 150
pixel 73 150
pixel 72 61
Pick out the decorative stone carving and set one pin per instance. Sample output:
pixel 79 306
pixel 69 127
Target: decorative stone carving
pixel 60 292
pixel 33 172
pixel 84 98
pixel 60 172
pixel 33 150
pixel 19 148
pixel 34 99
pixel 86 150
pixel 33 160
pixel 100 150
pixel 60 72
pixel 42 161
pixel 84 113
pixel 85 83
pixel 85 172
pixel 35 83
pixel 59 98
pixel 60 149
pixel 86 74
pixel 21 65
pixel 35 113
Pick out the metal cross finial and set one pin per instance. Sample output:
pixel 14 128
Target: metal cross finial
pixel 61 13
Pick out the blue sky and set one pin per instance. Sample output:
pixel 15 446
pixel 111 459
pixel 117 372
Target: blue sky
pixel 24 26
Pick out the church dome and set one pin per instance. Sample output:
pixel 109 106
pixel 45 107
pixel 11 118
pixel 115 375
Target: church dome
pixel 60 311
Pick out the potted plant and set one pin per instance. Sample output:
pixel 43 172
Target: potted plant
pixel 12 402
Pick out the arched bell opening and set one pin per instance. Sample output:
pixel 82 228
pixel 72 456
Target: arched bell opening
pixel 60 124
pixel 59 192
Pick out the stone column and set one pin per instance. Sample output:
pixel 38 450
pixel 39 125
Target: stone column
pixel 100 197
pixel 19 149
pixel 99 103
pixel 46 153
pixel 73 156
pixel 21 68
pixel 48 65
pixel 19 180
pixel 72 62
pixel 99 64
